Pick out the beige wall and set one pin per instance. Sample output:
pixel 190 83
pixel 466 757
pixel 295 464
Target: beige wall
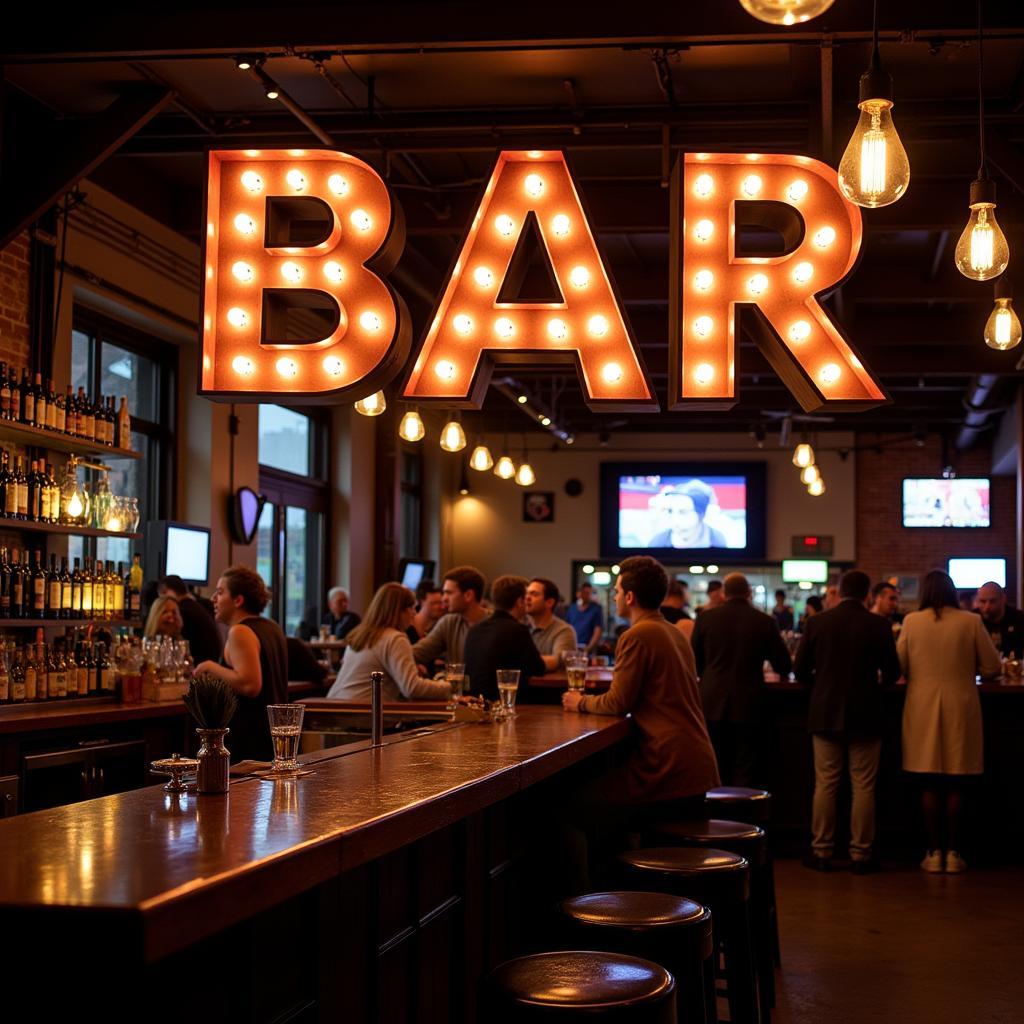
pixel 488 525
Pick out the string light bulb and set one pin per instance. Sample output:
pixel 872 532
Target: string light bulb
pixel 525 475
pixel 481 459
pixel 817 488
pixel 809 474
pixel 874 170
pixel 453 437
pixel 373 405
pixel 1003 329
pixel 803 455
pixel 411 428
pixel 505 468
pixel 785 12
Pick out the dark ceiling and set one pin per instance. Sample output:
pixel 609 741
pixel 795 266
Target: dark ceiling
pixel 429 93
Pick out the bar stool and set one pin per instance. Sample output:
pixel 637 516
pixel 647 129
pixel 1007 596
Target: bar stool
pixel 749 841
pixel 670 930
pixel 720 880
pixel 754 805
pixel 579 985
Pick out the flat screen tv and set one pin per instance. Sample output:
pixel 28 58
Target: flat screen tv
pixel 679 511
pixel 178 549
pixel 414 571
pixel 938 502
pixel 804 570
pixel 971 573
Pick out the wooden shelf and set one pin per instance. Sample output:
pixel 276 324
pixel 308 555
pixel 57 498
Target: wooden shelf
pixel 67 531
pixel 22 433
pixel 74 623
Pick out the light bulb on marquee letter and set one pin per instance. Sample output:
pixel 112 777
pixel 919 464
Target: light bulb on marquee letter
pixel 582 324
pixel 822 234
pixel 258 276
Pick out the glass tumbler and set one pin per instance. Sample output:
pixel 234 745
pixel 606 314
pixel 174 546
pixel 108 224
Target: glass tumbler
pixel 285 733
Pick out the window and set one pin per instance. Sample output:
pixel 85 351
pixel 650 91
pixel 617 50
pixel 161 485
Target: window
pixel 290 539
pixel 115 359
pixel 411 545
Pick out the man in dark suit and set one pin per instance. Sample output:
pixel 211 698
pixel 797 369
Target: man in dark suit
pixel 846 656
pixel 731 644
pixel 502 640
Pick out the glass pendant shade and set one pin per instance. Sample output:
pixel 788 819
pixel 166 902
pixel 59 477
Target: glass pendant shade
pixel 481 459
pixel 453 437
pixel 803 456
pixel 411 428
pixel 372 406
pixel 1002 329
pixel 525 476
pixel 505 468
pixel 874 170
pixel 982 253
pixel 809 474
pixel 817 488
pixel 785 12
pixel 74 499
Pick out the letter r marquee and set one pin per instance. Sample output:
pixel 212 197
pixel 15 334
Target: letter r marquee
pixel 715 273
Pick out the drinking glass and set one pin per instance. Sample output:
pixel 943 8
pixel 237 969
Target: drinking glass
pixel 455 676
pixel 576 671
pixel 508 684
pixel 285 732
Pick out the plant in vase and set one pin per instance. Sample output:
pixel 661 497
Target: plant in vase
pixel 212 703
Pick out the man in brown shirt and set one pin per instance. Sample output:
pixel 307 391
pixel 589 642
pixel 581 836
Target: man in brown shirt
pixel 669 757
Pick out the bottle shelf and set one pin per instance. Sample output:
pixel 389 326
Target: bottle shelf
pixel 71 623
pixel 58 528
pixel 22 433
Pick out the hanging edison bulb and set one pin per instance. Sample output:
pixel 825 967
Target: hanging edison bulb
pixel 481 459
pixel 809 474
pixel 786 12
pixel 411 428
pixel 525 475
pixel 1002 329
pixel 505 468
pixel 816 489
pixel 982 253
pixel 374 405
pixel 453 437
pixel 803 455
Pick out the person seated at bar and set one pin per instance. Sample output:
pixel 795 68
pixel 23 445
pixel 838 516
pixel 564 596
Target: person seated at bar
pixel 674 608
pixel 1005 624
pixel 379 644
pixel 586 617
pixel 669 762
pixel 462 591
pixel 199 627
pixel 255 661
pixel 339 619
pixel 502 640
pixel 552 637
pixel 429 608
pixel 164 618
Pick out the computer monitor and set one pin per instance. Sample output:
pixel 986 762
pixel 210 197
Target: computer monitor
pixel 178 549
pixel 413 571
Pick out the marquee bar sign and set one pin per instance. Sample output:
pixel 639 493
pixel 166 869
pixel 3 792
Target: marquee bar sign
pixel 297 304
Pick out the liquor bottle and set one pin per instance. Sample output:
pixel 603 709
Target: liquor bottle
pixel 53 590
pixel 99 592
pixel 38 588
pixel 5 393
pixel 88 418
pixel 124 425
pixel 136 573
pixel 86 592
pixel 30 674
pixel 58 671
pixel 76 590
pixel 100 430
pixel 104 671
pixel 12 380
pixel 117 581
pixel 42 670
pixel 111 414
pixel 9 488
pixel 5 679
pixel 69 412
pixel 51 406
pixel 59 418
pixel 66 598
pixel 17 587
pixel 92 667
pixel 39 394
pixel 110 588
pixel 22 482
pixel 35 497
pixel 51 482
pixel 5 585
pixel 80 413
pixel 28 399
pixel 71 670
pixel 17 676
pixel 85 670
pixel 133 593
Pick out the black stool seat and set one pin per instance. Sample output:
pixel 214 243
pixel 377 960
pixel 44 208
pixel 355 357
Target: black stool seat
pixel 737 836
pixel 683 860
pixel 580 985
pixel 669 930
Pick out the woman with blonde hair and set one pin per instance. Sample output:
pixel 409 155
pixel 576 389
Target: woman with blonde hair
pixel 941 648
pixel 380 644
pixel 164 618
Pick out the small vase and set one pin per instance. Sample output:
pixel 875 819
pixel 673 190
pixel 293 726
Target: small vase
pixel 214 760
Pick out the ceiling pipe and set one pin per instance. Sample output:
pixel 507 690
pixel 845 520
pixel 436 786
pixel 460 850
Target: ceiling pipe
pixel 979 416
pixel 290 105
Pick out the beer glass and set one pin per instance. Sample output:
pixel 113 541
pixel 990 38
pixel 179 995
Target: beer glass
pixel 285 732
pixel 508 684
pixel 576 671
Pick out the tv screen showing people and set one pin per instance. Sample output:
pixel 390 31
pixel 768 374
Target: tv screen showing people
pixel 682 512
pixel 938 502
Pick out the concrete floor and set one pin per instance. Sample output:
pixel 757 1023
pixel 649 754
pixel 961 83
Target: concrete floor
pixel 900 946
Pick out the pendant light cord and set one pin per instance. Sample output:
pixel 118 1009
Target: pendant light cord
pixel 875 58
pixel 981 97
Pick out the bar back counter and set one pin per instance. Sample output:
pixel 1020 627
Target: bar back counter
pixel 380 888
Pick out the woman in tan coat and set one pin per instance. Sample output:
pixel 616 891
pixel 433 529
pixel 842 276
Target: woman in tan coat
pixel 941 648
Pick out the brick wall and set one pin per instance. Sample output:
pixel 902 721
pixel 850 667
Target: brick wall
pixel 884 546
pixel 14 301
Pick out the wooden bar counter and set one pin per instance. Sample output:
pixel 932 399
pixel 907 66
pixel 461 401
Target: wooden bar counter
pixel 380 888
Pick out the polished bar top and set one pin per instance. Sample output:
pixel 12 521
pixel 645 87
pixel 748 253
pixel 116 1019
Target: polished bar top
pixel 182 867
pixel 74 714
